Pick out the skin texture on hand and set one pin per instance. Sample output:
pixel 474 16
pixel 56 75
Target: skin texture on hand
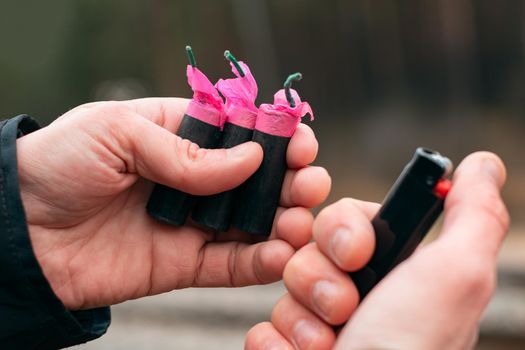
pixel 433 300
pixel 85 180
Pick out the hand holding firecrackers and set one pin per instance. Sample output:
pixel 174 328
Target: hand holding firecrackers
pixel 252 207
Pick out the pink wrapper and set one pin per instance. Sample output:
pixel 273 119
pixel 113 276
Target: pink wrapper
pixel 280 119
pixel 206 105
pixel 240 94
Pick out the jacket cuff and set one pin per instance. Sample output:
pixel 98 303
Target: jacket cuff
pixel 31 314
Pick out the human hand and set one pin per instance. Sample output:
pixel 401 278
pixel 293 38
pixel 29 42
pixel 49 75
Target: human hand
pixel 84 188
pixel 433 300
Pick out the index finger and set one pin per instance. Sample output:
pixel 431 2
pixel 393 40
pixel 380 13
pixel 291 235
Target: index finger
pixel 236 264
pixel 164 111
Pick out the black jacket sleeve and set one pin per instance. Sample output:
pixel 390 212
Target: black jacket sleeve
pixel 31 316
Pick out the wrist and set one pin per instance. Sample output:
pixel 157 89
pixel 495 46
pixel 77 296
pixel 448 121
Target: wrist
pixel 25 179
pixel 32 180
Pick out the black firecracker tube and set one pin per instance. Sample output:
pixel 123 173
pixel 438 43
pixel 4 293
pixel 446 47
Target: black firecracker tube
pixel 258 197
pixel 170 205
pixel 215 211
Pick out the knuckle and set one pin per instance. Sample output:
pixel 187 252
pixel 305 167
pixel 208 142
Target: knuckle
pixel 291 269
pixel 296 265
pixel 346 202
pixel 194 153
pixel 232 264
pixel 188 151
pixel 115 115
pixel 280 308
pixel 112 106
pixel 343 204
pixel 115 120
pixel 253 337
pixel 188 154
pixel 111 110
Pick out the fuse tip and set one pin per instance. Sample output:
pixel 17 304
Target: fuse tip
pixel 233 60
pixel 291 78
pixel 191 56
pixel 288 84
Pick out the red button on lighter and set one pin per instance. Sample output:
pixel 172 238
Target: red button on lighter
pixel 443 188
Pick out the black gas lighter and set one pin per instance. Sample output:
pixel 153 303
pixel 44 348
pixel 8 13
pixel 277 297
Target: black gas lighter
pixel 408 212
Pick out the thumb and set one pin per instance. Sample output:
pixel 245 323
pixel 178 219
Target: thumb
pixel 434 299
pixel 475 216
pixel 165 158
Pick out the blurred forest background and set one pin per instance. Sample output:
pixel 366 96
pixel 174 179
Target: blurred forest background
pixel 383 77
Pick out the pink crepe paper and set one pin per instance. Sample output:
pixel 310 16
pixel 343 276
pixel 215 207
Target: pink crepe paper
pixel 280 119
pixel 240 94
pixel 206 105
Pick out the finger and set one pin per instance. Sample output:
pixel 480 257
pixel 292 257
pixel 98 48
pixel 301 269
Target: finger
pixel 235 264
pixel 158 155
pixel 319 285
pixel 475 216
pixel 344 233
pixel 164 111
pixel 307 187
pixel 293 225
pixel 301 327
pixel 264 336
pixel 82 107
pixel 302 148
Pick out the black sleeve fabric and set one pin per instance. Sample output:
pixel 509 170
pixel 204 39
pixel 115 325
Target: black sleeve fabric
pixel 31 316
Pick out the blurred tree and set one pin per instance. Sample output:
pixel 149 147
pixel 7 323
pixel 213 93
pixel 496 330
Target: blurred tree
pixel 30 40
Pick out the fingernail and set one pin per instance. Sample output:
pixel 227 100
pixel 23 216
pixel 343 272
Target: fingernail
pixel 493 170
pixel 340 245
pixel 305 333
pixel 323 294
